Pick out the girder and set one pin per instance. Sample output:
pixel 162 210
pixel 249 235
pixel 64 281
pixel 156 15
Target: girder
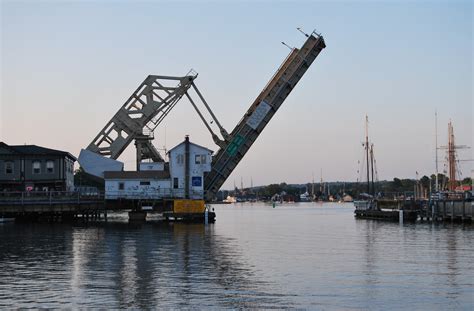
pixel 141 114
pixel 260 113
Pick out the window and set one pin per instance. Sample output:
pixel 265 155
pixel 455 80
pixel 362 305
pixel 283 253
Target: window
pixel 144 183
pixel 175 183
pixel 36 167
pixel 200 159
pixel 121 186
pixel 50 166
pixel 8 167
pixel 196 181
pixel 180 158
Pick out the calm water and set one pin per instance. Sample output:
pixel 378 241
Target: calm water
pixel 305 255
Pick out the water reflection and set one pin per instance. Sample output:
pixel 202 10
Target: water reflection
pixel 302 256
pixel 119 265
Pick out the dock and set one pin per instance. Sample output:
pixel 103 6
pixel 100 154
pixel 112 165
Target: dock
pixel 52 205
pixel 449 210
pixel 422 210
pixel 60 206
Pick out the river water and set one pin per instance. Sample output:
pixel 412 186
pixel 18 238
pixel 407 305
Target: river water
pixel 306 255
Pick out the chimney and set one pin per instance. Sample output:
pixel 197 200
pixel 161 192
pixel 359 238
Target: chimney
pixel 186 166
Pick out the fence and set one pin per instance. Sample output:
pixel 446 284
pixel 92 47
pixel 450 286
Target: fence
pixel 48 197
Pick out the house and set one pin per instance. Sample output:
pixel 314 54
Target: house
pixel 35 168
pixel 181 177
pixel 188 162
pixel 148 184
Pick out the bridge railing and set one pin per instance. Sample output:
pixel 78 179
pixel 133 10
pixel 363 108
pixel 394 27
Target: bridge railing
pixel 25 197
pixel 152 195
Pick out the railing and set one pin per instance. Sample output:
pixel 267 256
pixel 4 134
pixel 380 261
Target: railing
pixel 156 194
pixel 49 197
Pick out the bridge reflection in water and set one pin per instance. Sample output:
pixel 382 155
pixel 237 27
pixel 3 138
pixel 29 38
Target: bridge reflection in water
pixel 307 255
pixel 119 265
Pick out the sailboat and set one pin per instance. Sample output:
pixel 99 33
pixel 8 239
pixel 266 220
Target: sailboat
pixel 367 200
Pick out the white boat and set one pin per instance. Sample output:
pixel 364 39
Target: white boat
pixel 230 199
pixel 305 197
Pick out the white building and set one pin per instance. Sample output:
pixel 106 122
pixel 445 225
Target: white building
pixel 182 177
pixel 199 161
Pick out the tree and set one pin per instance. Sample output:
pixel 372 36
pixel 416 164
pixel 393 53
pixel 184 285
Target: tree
pixel 397 183
pixel 425 181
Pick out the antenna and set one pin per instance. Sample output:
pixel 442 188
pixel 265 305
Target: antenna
pixel 304 33
pixel 315 33
pixel 287 45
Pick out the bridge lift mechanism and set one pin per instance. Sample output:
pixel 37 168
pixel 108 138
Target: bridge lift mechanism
pixel 138 118
pixel 146 108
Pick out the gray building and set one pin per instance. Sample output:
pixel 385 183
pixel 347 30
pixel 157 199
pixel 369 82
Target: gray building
pixel 35 168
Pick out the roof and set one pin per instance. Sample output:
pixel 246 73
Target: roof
pixel 190 144
pixel 35 150
pixel 137 175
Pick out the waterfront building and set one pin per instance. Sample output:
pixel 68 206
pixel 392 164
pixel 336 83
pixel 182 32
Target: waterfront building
pixel 35 168
pixel 181 177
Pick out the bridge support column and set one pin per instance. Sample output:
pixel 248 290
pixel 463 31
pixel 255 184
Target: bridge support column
pixel 137 216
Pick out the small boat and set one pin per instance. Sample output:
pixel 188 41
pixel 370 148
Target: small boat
pixel 305 197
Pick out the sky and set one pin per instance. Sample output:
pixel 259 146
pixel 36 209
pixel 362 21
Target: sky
pixel 68 66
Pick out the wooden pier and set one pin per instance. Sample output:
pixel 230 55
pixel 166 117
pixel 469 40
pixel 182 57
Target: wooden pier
pixel 55 206
pixel 436 210
pixel 52 205
pixel 448 210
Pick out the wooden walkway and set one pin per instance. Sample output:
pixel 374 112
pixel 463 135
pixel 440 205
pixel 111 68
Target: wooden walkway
pixel 53 205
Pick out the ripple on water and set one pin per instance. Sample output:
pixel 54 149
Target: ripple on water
pixel 295 256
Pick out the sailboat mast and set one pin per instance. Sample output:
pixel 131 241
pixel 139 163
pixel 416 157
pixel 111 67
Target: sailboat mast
pixel 367 150
pixel 372 167
pixel 451 158
pixel 321 183
pixel 436 151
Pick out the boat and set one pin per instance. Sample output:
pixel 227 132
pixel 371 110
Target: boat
pixel 305 197
pixel 366 201
pixel 371 206
pixel 230 199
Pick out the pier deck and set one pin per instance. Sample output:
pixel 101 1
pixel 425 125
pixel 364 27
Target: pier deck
pixel 52 205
